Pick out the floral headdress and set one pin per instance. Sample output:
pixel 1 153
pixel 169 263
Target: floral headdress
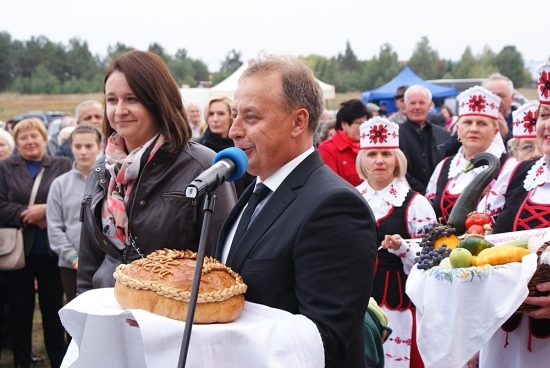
pixel 379 133
pixel 525 120
pixel 544 83
pixel 478 101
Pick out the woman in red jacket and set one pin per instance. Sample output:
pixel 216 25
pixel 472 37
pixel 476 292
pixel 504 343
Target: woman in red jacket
pixel 340 151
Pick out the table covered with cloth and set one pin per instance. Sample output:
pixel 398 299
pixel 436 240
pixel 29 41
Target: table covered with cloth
pixel 260 337
pixel 458 310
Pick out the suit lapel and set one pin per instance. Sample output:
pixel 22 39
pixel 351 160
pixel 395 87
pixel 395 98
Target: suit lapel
pixel 274 207
pixel 232 217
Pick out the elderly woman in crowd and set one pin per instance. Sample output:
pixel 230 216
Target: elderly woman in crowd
pixel 477 129
pixel 523 145
pixel 218 118
pixel 135 196
pixel 400 212
pixel 340 151
pixel 520 200
pixel 16 182
pixel 7 145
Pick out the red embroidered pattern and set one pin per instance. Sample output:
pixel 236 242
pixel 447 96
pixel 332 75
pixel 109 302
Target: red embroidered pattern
pixel 544 84
pixel 530 121
pixel 477 103
pixel 540 171
pixel 378 133
pixel 393 191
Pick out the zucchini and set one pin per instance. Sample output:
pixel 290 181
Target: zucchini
pixel 467 200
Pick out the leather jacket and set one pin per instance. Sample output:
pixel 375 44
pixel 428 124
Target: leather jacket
pixel 159 213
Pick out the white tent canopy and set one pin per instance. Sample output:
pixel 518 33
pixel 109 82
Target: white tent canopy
pixel 228 86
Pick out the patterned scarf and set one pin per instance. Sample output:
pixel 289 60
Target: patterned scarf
pixel 124 169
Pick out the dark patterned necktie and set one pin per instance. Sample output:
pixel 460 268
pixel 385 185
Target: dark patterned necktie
pixel 260 192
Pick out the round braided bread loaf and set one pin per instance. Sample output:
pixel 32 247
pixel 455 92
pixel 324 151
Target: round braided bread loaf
pixel 161 283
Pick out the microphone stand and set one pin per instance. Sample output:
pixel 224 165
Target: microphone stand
pixel 209 205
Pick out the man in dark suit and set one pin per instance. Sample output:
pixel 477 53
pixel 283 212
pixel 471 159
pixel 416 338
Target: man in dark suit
pixel 421 141
pixel 310 248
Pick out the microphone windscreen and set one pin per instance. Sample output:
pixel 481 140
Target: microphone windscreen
pixel 238 157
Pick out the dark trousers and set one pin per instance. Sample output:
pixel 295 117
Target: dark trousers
pixel 68 278
pixel 44 269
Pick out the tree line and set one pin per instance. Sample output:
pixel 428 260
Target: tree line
pixel 39 66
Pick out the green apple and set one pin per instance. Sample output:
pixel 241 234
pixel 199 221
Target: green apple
pixel 460 257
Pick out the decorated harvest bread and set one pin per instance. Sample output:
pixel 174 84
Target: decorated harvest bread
pixel 161 283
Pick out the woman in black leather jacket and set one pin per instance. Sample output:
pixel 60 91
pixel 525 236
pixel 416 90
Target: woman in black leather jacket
pixel 134 201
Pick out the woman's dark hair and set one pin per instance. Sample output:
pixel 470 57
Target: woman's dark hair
pixel 151 82
pixel 349 111
pixel 85 129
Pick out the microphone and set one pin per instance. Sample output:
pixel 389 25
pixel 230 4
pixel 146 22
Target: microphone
pixel 228 165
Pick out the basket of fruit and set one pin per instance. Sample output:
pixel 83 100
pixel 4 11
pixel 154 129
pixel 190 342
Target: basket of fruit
pixel 542 274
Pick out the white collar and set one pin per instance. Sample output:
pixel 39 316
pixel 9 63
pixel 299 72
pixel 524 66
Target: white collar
pixel 458 163
pixel 537 175
pixel 275 179
pixel 394 193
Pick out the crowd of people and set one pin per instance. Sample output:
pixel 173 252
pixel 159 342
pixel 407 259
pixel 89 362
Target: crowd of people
pixel 318 224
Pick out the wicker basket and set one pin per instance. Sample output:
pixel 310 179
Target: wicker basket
pixel 542 274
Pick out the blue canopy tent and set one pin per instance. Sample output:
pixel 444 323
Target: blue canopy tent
pixel 406 77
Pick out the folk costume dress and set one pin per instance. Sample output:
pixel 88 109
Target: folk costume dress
pixel 449 179
pixel 519 201
pixel 398 210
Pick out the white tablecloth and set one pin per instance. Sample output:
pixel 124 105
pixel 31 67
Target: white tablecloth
pixel 260 337
pixel 458 310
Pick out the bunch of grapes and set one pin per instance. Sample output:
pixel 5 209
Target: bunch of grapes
pixel 430 257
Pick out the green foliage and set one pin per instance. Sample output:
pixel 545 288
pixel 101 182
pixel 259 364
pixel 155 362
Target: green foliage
pixel 425 62
pixel 510 63
pixel 41 66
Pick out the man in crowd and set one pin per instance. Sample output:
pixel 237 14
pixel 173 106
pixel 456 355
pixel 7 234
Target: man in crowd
pixel 373 109
pixel 503 87
pixel 399 99
pixel 54 141
pixel 311 244
pixel 421 141
pixel 194 116
pixel 88 112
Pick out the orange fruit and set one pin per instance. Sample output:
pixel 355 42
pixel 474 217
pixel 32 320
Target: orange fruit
pixel 451 241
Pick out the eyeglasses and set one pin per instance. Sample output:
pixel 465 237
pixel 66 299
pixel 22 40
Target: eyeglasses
pixel 527 149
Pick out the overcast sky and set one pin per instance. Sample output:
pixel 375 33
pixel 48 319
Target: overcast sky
pixel 209 29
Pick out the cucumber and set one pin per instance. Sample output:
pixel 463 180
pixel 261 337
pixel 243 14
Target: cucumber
pixel 467 200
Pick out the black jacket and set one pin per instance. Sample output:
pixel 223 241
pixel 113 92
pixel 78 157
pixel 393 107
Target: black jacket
pixel 421 162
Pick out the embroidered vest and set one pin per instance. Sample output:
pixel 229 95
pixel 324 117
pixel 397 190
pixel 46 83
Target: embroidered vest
pixel 443 201
pixel 389 279
pixel 531 216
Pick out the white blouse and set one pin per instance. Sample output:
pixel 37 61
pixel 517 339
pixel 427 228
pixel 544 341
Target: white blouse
pixel 457 178
pixel 419 213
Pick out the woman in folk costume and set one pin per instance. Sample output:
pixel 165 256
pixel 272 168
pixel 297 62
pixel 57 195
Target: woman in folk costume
pixel 523 144
pixel 400 213
pixel 519 201
pixel 477 129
